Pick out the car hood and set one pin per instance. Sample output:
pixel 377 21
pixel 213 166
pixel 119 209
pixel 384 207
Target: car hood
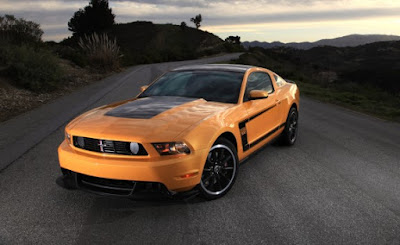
pixel 149 119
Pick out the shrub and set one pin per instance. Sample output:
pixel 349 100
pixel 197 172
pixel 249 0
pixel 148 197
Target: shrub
pixel 183 25
pixel 19 30
pixel 102 52
pixel 33 69
pixel 72 54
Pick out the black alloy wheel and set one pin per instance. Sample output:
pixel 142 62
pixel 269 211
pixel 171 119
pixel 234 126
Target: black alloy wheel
pixel 220 170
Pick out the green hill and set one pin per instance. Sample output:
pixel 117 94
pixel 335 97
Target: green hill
pixel 365 77
pixel 373 65
pixel 145 42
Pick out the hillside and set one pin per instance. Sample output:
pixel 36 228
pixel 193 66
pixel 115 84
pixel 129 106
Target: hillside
pixel 37 72
pixel 345 41
pixel 365 77
pixel 145 42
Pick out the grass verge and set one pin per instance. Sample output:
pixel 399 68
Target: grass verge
pixel 370 101
pixel 332 84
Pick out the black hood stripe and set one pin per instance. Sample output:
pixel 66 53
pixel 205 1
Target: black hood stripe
pixel 148 107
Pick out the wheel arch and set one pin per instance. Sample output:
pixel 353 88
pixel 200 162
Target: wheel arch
pixel 229 136
pixel 294 105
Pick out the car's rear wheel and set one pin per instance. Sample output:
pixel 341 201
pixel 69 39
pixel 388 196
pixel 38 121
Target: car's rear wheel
pixel 220 170
pixel 289 134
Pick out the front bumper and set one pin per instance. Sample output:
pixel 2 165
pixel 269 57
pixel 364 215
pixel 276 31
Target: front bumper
pixel 176 173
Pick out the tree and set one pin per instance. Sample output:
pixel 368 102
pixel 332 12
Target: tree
pixel 183 25
pixel 196 20
pixel 19 30
pixel 232 44
pixel 95 17
pixel 233 40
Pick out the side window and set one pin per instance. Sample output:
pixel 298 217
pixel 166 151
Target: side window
pixel 276 79
pixel 258 81
pixel 279 81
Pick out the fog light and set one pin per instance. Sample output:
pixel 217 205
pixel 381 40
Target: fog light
pixel 134 147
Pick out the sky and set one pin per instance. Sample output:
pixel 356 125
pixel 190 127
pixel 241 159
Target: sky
pixel 262 20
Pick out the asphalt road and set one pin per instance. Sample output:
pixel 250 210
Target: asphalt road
pixel 340 184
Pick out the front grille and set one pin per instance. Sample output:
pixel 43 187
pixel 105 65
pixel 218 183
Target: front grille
pixel 107 146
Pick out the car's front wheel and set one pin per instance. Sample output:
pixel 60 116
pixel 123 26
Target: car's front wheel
pixel 220 170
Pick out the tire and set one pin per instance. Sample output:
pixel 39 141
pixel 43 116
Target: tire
pixel 289 134
pixel 220 170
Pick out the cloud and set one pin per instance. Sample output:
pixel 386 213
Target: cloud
pixel 54 15
pixel 209 3
pixel 293 16
pixel 306 16
pixel 176 3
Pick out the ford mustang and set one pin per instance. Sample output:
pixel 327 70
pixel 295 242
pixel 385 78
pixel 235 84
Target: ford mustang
pixel 188 130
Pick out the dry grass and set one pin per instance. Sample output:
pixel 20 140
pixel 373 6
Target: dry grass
pixel 102 52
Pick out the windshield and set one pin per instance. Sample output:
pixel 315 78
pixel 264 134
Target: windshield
pixel 220 86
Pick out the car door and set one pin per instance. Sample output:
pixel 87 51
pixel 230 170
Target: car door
pixel 263 114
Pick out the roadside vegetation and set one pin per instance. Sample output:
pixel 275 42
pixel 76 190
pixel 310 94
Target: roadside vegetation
pixel 33 72
pixel 363 78
pixel 101 51
pixel 24 58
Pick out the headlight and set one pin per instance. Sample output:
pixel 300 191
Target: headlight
pixel 172 148
pixel 68 137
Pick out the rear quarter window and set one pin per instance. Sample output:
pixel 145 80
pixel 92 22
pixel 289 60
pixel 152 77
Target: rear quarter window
pixel 279 81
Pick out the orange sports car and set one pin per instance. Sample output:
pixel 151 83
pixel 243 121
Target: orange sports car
pixel 186 131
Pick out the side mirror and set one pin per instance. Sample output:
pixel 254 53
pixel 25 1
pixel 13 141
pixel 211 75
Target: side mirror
pixel 258 94
pixel 143 88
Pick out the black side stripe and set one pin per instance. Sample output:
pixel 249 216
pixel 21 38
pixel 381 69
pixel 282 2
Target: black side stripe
pixel 258 114
pixel 243 133
pixel 267 135
pixel 243 130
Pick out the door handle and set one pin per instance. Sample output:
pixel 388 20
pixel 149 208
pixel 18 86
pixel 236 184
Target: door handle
pixel 278 102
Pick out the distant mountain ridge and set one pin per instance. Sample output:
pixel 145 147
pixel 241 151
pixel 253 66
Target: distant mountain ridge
pixel 345 41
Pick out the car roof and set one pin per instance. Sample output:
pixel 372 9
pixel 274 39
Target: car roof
pixel 215 67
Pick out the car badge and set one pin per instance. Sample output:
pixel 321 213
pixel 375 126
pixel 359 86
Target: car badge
pixel 101 145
